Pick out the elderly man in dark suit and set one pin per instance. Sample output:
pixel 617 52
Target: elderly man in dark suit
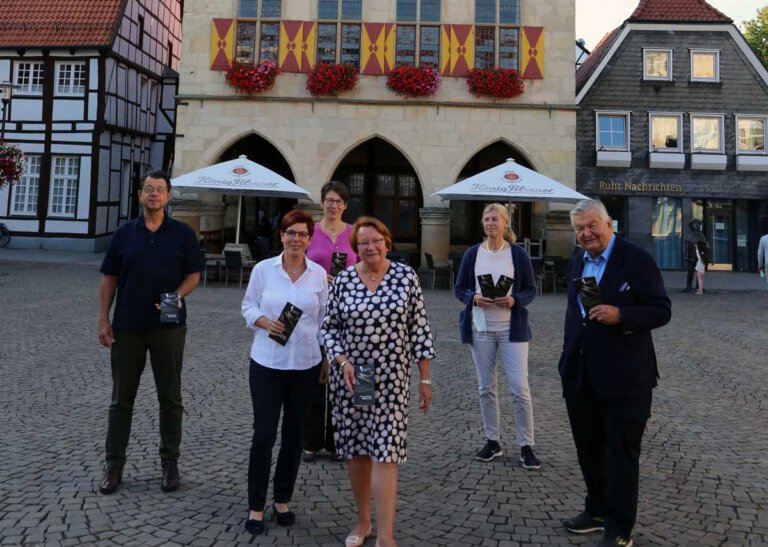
pixel 608 369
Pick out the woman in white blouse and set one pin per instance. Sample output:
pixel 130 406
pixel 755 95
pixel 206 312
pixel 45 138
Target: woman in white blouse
pixel 283 375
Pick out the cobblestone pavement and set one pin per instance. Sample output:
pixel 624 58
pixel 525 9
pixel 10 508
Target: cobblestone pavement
pixel 704 468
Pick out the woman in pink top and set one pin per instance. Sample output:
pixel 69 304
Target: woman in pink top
pixel 331 241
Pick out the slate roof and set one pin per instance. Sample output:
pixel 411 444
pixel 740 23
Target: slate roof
pixel 651 11
pixel 59 23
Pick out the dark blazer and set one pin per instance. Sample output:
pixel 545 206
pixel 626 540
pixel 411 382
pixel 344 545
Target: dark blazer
pixel 523 290
pixel 619 360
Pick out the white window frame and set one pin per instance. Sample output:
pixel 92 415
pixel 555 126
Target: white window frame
pixel 762 152
pixel 23 187
pixel 716 52
pixel 670 70
pixel 721 130
pixel 69 185
pixel 70 89
pixel 26 89
pixel 614 114
pixel 679 117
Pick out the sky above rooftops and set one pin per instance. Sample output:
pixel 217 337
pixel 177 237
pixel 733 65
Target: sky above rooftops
pixel 595 18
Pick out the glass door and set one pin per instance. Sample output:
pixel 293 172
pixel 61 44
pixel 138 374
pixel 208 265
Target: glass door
pixel 720 235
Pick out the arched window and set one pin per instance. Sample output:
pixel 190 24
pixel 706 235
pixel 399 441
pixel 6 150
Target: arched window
pixel 497 34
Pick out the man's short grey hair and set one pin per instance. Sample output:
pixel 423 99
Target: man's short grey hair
pixel 587 205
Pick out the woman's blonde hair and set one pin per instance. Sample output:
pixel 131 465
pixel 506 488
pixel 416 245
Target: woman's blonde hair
pixel 499 209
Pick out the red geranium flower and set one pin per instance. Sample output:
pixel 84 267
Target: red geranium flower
pixel 252 79
pixel 411 81
pixel 503 83
pixel 331 79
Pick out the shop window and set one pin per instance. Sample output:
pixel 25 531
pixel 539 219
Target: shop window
pixel 657 64
pixel 666 132
pixel 24 194
pixel 613 131
pixel 707 134
pixel 29 78
pixel 751 135
pixel 666 231
pixel 705 66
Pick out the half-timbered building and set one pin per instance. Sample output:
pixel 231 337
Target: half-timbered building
pixel 93 107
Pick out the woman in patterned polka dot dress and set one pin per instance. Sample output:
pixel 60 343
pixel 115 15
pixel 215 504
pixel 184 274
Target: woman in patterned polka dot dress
pixel 375 316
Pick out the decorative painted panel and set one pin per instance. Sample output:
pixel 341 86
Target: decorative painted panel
pixel 222 43
pixel 308 45
pixel 378 48
pixel 291 45
pixel 462 49
pixel 532 53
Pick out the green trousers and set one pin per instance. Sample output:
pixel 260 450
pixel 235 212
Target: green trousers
pixel 129 356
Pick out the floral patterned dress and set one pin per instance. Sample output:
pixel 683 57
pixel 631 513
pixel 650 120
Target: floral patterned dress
pixel 389 329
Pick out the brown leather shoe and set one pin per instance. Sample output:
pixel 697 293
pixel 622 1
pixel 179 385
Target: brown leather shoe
pixel 170 476
pixel 113 476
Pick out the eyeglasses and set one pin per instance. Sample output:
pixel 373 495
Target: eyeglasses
pixel 293 234
pixel 331 201
pixel 372 243
pixel 152 190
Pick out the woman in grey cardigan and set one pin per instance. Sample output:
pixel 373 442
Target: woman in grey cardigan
pixel 495 321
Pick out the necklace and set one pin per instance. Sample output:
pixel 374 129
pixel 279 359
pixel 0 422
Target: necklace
pixel 294 272
pixel 331 230
pixel 368 274
pixel 493 251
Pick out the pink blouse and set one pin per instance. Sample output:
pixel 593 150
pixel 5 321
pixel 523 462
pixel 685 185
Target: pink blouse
pixel 322 247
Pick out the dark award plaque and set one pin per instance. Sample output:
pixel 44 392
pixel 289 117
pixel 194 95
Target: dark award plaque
pixel 288 317
pixel 503 285
pixel 338 263
pixel 589 292
pixel 169 307
pixel 487 288
pixel 365 388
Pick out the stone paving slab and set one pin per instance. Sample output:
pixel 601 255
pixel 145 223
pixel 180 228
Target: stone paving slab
pixel 704 468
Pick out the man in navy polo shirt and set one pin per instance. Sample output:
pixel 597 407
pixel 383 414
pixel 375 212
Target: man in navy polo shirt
pixel 149 255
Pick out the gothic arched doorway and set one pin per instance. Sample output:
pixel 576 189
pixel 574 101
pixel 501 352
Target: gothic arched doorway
pixel 466 216
pixel 383 183
pixel 258 215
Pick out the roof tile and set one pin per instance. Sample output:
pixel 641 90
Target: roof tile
pixel 58 23
pixel 677 10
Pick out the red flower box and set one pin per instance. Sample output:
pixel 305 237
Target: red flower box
pixel 331 79
pixel 252 79
pixel 503 83
pixel 411 81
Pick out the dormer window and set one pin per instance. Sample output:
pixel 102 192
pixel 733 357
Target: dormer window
pixel 705 66
pixel 657 64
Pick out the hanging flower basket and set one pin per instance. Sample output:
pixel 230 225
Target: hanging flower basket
pixel 411 81
pixel 250 79
pixel 331 79
pixel 502 83
pixel 11 164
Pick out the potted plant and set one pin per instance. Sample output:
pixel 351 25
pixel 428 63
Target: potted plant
pixel 251 79
pixel 11 164
pixel 502 83
pixel 331 79
pixel 411 81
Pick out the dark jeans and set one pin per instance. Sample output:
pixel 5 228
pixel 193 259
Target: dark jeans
pixel 129 356
pixel 608 434
pixel 690 280
pixel 319 431
pixel 271 391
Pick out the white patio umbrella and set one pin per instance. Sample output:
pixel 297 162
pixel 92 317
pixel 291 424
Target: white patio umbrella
pixel 511 182
pixel 241 177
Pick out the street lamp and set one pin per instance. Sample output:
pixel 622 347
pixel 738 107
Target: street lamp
pixel 6 92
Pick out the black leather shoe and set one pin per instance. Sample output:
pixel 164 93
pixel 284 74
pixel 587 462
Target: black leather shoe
pixel 113 476
pixel 336 457
pixel 255 527
pixel 283 519
pixel 170 476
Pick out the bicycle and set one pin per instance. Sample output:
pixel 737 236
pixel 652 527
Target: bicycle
pixel 5 235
